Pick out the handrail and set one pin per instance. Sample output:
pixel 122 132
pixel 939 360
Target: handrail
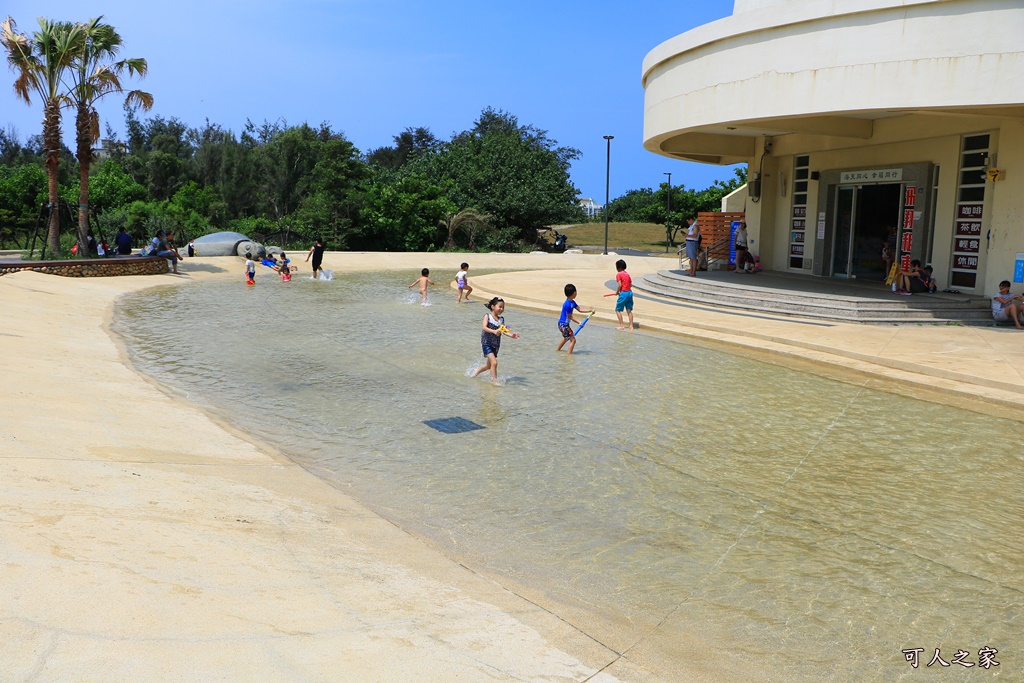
pixel 725 241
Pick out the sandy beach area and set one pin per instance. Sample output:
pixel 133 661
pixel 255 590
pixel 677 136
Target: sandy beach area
pixel 143 540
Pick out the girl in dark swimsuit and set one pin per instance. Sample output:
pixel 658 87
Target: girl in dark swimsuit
pixel 491 330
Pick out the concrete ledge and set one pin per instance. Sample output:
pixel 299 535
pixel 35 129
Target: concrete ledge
pixel 106 267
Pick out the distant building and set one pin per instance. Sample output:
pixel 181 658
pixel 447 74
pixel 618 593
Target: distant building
pixel 865 125
pixel 107 149
pixel 590 207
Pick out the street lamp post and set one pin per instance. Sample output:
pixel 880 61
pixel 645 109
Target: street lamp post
pixel 668 213
pixel 607 178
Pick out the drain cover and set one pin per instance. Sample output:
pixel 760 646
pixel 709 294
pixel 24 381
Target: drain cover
pixel 453 425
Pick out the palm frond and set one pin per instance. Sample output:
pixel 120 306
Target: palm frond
pixel 139 99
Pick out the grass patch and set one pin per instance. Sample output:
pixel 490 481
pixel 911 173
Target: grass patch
pixel 642 236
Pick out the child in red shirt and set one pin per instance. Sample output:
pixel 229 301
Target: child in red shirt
pixel 625 292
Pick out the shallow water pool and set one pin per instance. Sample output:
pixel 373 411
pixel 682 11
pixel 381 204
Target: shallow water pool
pixel 698 510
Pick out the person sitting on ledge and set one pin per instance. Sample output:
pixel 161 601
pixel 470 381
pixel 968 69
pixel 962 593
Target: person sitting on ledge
pixel 166 249
pixel 123 242
pixel 1007 307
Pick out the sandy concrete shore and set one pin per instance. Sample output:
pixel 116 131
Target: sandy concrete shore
pixel 141 540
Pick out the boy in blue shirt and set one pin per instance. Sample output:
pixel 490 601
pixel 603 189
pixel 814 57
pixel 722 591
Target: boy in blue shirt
pixel 564 327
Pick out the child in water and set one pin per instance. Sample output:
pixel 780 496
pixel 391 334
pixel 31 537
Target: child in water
pixel 462 282
pixel 625 294
pixel 423 280
pixel 285 268
pixel 250 270
pixel 490 336
pixel 564 327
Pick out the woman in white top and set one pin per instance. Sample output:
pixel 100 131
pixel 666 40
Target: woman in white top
pixel 692 244
pixel 741 236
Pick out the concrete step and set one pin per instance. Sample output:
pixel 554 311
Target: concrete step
pixel 919 309
pixel 881 299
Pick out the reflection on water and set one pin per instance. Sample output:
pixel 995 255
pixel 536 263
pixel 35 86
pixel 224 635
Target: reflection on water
pixel 685 503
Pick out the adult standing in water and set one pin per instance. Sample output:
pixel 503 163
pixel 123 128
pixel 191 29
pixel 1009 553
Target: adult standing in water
pixel 692 244
pixel 317 252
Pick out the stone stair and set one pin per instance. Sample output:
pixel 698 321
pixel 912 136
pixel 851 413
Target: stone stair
pixel 868 306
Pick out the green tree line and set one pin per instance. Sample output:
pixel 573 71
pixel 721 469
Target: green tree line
pixel 670 205
pixel 489 187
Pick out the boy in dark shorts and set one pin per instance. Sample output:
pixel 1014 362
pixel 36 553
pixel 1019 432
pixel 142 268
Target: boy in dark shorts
pixel 250 270
pixel 566 318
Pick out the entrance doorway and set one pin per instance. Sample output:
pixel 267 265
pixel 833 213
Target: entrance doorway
pixel 867 219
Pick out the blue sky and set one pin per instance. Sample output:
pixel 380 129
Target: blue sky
pixel 374 67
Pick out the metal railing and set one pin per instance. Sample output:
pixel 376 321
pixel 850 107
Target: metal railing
pixel 716 248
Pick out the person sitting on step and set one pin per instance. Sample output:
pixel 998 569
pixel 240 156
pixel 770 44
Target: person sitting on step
pixel 1007 307
pixel 912 281
pixel 744 260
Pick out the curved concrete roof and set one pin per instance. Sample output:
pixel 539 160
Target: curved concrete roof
pixel 830 68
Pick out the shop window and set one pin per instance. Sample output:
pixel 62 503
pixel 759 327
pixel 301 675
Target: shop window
pixel 798 220
pixel 974 160
pixel 972 177
pixel 971 194
pixel 973 142
pixel 968 223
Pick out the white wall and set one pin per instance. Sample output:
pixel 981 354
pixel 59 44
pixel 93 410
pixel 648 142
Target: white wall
pixel 774 62
pixel 1005 209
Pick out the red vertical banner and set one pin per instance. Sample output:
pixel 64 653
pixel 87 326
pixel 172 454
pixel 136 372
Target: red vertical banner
pixel 907 243
pixel 910 196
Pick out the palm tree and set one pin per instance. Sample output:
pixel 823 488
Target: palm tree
pixel 94 75
pixel 469 220
pixel 41 63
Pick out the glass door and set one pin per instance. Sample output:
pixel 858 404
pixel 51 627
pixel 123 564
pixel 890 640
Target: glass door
pixel 842 234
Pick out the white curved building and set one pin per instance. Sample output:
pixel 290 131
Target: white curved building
pixel 863 122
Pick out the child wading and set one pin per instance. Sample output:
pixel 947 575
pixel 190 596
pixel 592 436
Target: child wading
pixel 423 280
pixel 566 318
pixel 490 336
pixel 285 269
pixel 625 292
pixel 462 282
pixel 250 270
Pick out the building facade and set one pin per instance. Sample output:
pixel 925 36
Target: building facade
pixel 590 207
pixel 871 129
